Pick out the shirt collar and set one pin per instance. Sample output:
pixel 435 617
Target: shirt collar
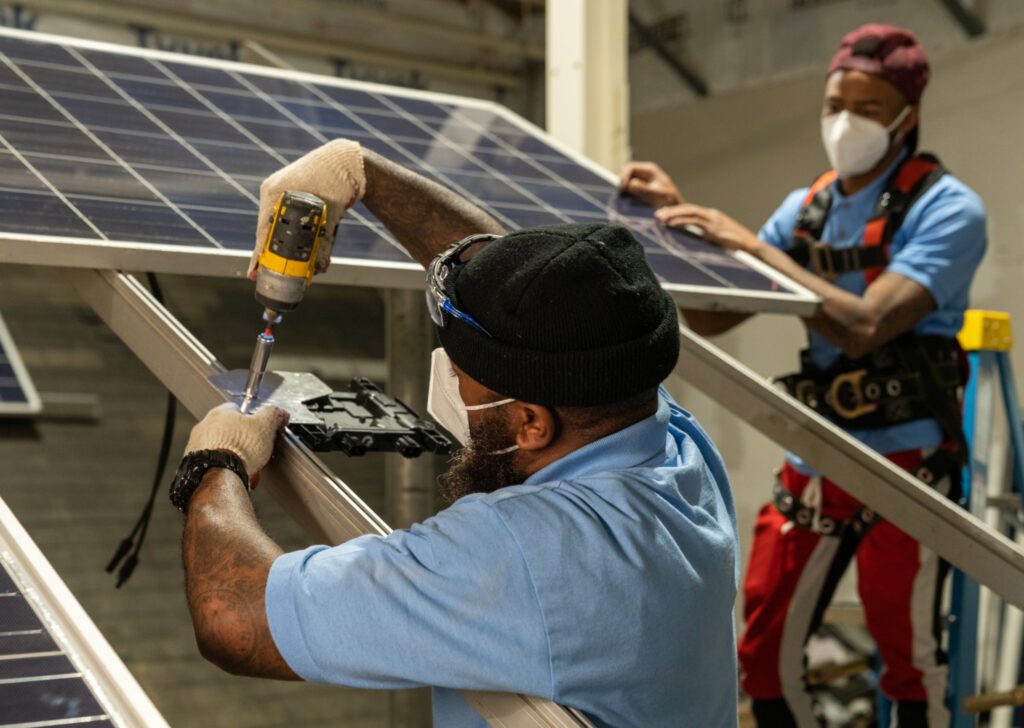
pixel 873 190
pixel 642 443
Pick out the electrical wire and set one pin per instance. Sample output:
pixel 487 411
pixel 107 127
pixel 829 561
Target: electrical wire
pixel 129 546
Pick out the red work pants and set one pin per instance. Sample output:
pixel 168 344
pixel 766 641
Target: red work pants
pixel 790 580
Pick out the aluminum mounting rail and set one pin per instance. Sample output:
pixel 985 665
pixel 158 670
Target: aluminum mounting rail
pixel 327 508
pixel 957 536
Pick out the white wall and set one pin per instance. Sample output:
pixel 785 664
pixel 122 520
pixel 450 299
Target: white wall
pixel 743 151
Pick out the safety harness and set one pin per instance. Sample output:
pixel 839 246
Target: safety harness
pixel 912 377
pixel 906 185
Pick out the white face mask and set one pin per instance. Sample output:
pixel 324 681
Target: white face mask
pixel 444 403
pixel 854 144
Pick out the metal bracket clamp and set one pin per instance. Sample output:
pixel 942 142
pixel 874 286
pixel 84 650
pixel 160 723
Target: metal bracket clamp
pixel 296 478
pixel 962 539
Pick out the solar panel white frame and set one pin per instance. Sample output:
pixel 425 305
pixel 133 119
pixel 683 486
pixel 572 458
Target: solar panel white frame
pixel 130 255
pixel 110 682
pixel 33 404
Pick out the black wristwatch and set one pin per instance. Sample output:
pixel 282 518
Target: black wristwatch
pixel 194 466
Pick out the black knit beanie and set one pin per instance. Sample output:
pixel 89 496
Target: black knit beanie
pixel 576 317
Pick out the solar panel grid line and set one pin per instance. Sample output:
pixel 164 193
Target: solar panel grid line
pixel 96 140
pixel 23 655
pixel 390 141
pixel 160 123
pixel 60 195
pixel 312 131
pixel 544 205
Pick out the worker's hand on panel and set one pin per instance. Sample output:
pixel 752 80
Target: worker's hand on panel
pixel 250 437
pixel 649 183
pixel 332 172
pixel 717 227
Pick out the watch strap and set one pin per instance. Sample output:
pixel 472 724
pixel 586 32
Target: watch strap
pixel 194 466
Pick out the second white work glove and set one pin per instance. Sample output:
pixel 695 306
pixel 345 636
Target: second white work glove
pixel 250 437
pixel 332 172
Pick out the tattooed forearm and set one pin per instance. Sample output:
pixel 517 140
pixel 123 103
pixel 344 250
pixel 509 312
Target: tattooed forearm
pixel 227 559
pixel 425 217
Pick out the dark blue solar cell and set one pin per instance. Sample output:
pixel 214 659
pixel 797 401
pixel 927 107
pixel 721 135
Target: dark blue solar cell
pixel 281 87
pixel 355 98
pixel 133 221
pixel 441 156
pixel 8 78
pixel 673 269
pixel 235 231
pixel 26 641
pixel 246 160
pixel 112 115
pixel 49 138
pixel 161 92
pixel 421 108
pixel 6 370
pixel 36 667
pixel 17 615
pixel 739 275
pixel 490 189
pixel 325 117
pixel 356 240
pixel 571 172
pixel 66 80
pixel 206 126
pixel 564 198
pixel 201 75
pixel 12 394
pixel 392 125
pixel 16 176
pixel 527 217
pixel 282 137
pixel 244 104
pixel 189 188
pixel 115 63
pixel 7 584
pixel 16 49
pixel 48 700
pixel 28 104
pixel 92 178
pixel 40 214
pixel 462 135
pixel 147 149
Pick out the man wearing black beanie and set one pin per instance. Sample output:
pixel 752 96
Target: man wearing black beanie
pixel 588 554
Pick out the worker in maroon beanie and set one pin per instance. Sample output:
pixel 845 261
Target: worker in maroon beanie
pixel 890 241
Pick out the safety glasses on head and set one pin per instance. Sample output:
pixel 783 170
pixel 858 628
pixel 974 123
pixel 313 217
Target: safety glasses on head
pixel 439 304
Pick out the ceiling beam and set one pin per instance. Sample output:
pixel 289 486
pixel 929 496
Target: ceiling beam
pixel 651 39
pixel 966 17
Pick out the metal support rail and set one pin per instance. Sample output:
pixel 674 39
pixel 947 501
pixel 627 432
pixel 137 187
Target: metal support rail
pixel 327 508
pixel 941 525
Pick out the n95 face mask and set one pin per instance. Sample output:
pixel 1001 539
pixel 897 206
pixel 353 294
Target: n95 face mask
pixel 854 144
pixel 444 403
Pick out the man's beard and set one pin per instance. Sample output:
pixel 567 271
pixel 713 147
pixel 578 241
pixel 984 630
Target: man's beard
pixel 474 470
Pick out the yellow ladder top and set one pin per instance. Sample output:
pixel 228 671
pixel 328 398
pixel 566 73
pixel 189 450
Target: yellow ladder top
pixel 986 331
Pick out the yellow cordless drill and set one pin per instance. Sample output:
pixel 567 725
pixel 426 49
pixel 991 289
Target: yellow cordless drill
pixel 285 268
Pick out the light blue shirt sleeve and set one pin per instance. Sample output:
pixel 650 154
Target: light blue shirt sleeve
pixel 449 603
pixel 778 229
pixel 942 242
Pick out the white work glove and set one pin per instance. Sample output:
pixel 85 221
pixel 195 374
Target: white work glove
pixel 333 172
pixel 250 437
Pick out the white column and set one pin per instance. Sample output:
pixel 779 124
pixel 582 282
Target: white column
pixel 588 78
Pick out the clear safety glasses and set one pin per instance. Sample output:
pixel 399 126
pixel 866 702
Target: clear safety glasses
pixel 439 304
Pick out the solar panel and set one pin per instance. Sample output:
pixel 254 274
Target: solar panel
pixel 102 145
pixel 55 668
pixel 18 395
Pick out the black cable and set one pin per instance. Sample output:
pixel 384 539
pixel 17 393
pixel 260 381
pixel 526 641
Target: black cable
pixel 129 546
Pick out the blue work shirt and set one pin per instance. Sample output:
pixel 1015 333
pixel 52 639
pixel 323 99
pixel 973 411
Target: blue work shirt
pixel 939 245
pixel 605 582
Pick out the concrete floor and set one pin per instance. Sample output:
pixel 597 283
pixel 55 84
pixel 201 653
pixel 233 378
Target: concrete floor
pixel 78 487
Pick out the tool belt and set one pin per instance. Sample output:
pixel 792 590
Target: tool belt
pixel 944 462
pixel 911 378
